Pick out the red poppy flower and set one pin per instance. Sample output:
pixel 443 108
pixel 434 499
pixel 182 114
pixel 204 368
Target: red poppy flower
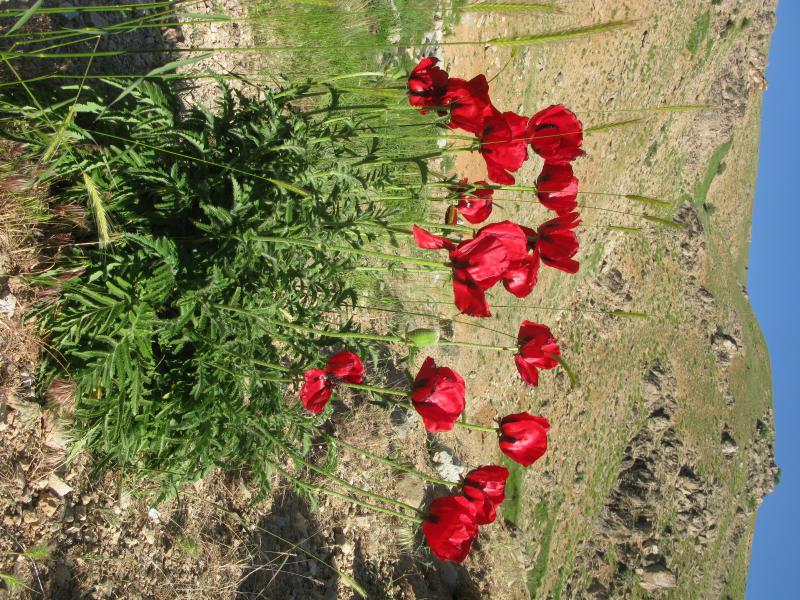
pixel 556 134
pixel 536 349
pixel 503 146
pixel 557 188
pixel 469 103
pixel 438 396
pixel 523 437
pixel 477 265
pixel 346 366
pixel 486 487
pixel 427 84
pixel 318 384
pixel 316 390
pixel 555 242
pixel 450 527
pixel 475 205
pixel 523 268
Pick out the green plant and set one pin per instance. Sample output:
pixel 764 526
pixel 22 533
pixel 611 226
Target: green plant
pixel 171 375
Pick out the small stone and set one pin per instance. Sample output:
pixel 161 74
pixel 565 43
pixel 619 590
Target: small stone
pixel 124 498
pixel 363 521
pixel 154 515
pixel 58 485
pixel 658 577
pixel 448 467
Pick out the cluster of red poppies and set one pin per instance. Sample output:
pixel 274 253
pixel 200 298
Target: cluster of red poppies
pixel 438 395
pixel 503 251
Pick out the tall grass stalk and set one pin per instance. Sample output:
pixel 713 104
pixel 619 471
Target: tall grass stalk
pixel 512 7
pixel 558 36
pixel 530 40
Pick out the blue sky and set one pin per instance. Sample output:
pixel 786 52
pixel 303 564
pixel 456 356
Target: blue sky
pixel 774 285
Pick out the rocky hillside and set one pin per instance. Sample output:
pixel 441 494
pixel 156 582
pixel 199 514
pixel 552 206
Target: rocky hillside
pixel 663 455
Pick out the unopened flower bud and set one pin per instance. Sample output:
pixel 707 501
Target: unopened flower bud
pixel 423 338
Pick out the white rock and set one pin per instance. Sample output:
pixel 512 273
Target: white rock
pixel 58 485
pixel 8 304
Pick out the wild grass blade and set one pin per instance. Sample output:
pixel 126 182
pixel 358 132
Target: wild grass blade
pixel 171 66
pixel 680 107
pixel 625 228
pixel 26 16
pixel 12 12
pixel 511 7
pixel 12 582
pixel 614 125
pixel 558 36
pixel 648 200
pixel 98 210
pixel 660 221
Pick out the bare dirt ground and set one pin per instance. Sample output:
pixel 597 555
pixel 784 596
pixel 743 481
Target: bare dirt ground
pixel 657 461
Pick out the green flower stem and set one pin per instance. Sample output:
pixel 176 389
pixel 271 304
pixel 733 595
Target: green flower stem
pixel 391 463
pixel 376 389
pixel 573 379
pixel 298 457
pixel 356 251
pixel 478 346
pixel 345 335
pixel 475 427
pixel 335 494
pixel 435 316
pixel 444 226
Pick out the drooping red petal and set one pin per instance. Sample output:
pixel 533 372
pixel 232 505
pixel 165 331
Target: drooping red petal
pixel 557 243
pixel 485 512
pixel 511 235
pixel 503 145
pixel 557 187
pixel 523 268
pixel 475 210
pixel 469 103
pixel 427 84
pixel 429 241
pixel 316 390
pixel 438 396
pixel 523 437
pixel 483 259
pixel 527 370
pixel 469 297
pixel 451 527
pixel 346 366
pixel 556 134
pixel 491 479
pixel 522 275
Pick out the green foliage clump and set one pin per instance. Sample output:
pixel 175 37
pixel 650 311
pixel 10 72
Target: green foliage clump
pixel 699 32
pixel 174 332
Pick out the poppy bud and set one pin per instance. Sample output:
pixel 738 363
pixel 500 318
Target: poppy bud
pixel 423 338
